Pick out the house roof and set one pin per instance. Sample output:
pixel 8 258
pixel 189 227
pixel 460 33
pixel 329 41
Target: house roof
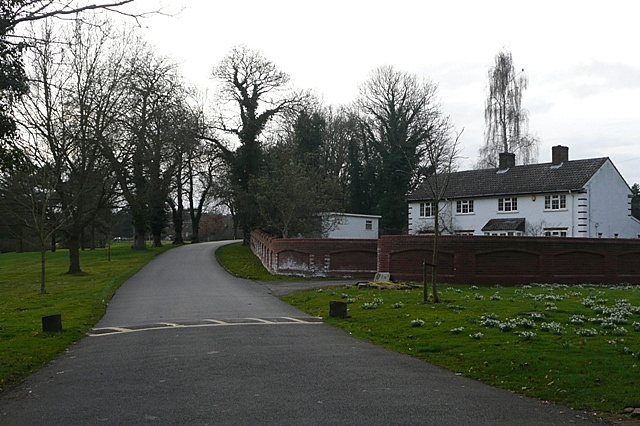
pixel 515 224
pixel 526 179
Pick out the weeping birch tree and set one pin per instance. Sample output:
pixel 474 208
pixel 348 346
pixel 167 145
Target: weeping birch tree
pixel 506 122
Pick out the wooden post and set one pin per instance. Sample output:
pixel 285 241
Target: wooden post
pixel 425 288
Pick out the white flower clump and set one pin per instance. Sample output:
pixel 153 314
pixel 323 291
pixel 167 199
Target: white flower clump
pixel 417 323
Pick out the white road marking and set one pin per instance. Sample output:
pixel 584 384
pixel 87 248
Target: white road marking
pixel 108 331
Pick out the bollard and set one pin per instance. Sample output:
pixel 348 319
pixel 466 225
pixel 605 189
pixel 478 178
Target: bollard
pixel 52 323
pixel 337 309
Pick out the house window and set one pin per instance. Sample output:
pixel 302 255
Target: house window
pixel 508 204
pixel 368 225
pixel 464 232
pixel 555 202
pixel 555 232
pixel 427 209
pixel 464 206
pixel 504 234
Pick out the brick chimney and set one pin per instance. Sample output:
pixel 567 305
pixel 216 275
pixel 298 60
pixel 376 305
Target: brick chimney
pixel 559 155
pixel 507 160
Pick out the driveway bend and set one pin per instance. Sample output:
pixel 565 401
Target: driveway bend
pixel 183 342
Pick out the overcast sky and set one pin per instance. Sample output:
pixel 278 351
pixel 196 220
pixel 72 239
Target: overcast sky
pixel 582 58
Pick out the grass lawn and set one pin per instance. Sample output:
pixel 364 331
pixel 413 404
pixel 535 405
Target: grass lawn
pixel 80 299
pixel 577 345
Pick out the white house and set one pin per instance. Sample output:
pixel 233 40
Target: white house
pixel 350 225
pixel 578 198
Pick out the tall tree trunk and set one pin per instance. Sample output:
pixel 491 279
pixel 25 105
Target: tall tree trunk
pixel 178 211
pixel 139 231
pixel 93 238
pixel 157 240
pixel 195 232
pixel 139 242
pixel 74 253
pixel 177 224
pixel 43 259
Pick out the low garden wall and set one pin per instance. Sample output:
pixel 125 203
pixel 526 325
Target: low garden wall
pixel 338 258
pixel 513 260
pixel 461 259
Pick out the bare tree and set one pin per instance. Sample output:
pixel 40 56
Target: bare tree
pixel 291 194
pixel 204 173
pixel 30 191
pixel 13 15
pixel 506 122
pixel 441 154
pixel 199 170
pixel 143 156
pixel 397 111
pixel 74 103
pixel 339 132
pixel 260 93
pixel 188 150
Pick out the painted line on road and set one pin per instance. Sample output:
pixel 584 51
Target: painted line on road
pixel 108 331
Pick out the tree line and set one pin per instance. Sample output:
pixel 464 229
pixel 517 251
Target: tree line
pixel 94 121
pixel 104 121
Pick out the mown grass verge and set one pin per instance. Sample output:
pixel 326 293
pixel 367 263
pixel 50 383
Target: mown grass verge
pixel 240 261
pixel 80 299
pixel 578 345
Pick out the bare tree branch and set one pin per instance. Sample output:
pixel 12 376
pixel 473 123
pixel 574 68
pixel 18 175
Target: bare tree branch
pixel 42 10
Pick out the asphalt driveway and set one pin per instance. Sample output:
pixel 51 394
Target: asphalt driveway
pixel 183 342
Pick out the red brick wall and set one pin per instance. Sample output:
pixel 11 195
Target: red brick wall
pixel 513 260
pixel 462 259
